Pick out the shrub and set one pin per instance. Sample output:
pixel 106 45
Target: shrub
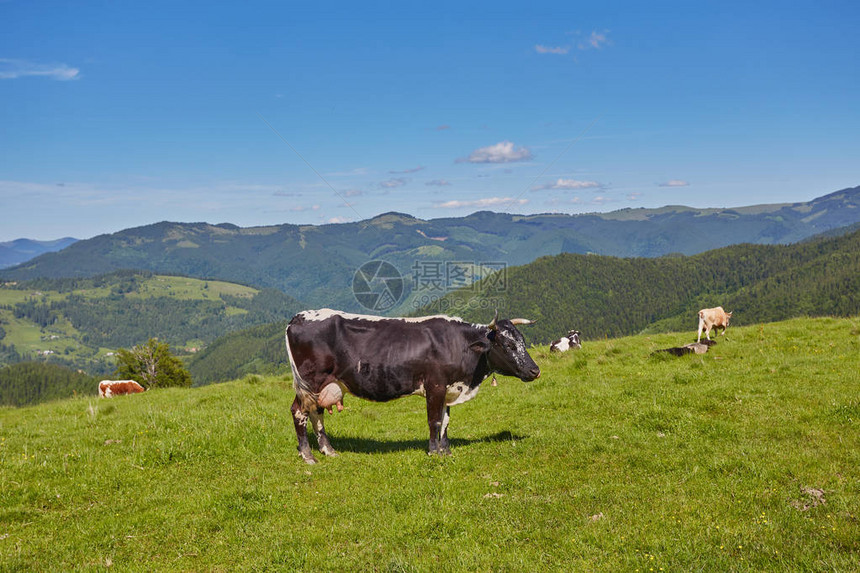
pixel 152 365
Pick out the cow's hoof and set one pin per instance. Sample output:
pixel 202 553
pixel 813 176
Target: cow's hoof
pixel 439 452
pixel 330 452
pixel 308 457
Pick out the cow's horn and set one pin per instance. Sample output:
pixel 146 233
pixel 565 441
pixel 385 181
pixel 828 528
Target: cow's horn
pixel 522 321
pixel 492 325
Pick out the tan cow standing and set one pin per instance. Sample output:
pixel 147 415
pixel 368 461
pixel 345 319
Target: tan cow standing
pixel 712 318
pixel 108 388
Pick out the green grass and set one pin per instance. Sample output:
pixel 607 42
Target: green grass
pixel 614 460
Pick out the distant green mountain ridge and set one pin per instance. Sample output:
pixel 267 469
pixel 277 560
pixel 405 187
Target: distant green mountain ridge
pixel 316 264
pixel 611 297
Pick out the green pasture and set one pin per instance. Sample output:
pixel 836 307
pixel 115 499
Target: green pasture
pixel 742 459
pixel 63 339
pixel 185 288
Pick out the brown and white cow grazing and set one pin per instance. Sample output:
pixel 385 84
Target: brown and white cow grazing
pixel 442 358
pixel 108 388
pixel 712 318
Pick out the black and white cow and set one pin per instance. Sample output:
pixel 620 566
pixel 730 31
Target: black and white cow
pixel 566 343
pixel 442 358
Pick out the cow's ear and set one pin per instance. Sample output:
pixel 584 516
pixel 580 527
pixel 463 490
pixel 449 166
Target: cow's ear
pixel 480 346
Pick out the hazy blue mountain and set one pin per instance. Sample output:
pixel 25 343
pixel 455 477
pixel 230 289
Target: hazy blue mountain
pixel 22 250
pixel 317 263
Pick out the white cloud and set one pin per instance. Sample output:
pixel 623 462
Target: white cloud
pixel 438 183
pixel 502 152
pixel 634 196
pixel 569 184
pixel 487 202
pixel 595 41
pixel 353 193
pixel 413 170
pixel 559 50
pixel 300 208
pixel 674 183
pixel 393 183
pixel 12 69
pixel 336 220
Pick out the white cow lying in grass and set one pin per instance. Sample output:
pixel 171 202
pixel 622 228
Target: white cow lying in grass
pixel 566 343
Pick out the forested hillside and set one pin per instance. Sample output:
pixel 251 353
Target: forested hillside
pixel 78 322
pixel 611 297
pixel 316 264
pixel 257 350
pixel 28 383
pixel 607 296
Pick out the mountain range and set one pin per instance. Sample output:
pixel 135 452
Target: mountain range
pixel 22 250
pixel 612 297
pixel 317 264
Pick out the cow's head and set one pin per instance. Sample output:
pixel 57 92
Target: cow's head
pixel 573 337
pixel 508 354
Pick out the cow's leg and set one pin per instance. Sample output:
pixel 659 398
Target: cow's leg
pixel 300 420
pixel 444 446
pixel 701 328
pixel 319 429
pixel 435 416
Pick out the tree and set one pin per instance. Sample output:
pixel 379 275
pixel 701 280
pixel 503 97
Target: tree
pixel 152 365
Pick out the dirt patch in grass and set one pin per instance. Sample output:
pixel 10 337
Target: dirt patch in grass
pixel 812 497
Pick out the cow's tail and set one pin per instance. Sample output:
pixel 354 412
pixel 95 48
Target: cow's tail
pixel 303 392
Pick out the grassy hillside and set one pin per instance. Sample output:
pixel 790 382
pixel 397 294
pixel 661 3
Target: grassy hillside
pixel 614 460
pixel 78 322
pixel 607 296
pixel 316 264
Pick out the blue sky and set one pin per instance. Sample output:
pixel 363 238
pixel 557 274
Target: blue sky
pixel 116 115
